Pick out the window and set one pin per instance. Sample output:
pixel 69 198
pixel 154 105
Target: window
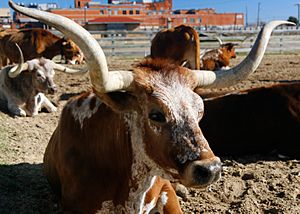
pixel 124 12
pixel 199 20
pixel 101 12
pixel 192 20
pixel 115 12
pixel 130 12
pixel 137 12
pixel 239 16
pixel 184 20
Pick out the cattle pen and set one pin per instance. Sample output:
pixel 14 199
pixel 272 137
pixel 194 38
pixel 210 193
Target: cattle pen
pixel 258 183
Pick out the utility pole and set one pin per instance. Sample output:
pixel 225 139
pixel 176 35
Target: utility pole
pixel 246 15
pixel 298 5
pixel 258 11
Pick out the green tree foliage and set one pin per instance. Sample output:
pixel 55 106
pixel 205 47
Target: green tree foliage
pixel 293 19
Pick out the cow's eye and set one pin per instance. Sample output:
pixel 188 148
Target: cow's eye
pixel 157 116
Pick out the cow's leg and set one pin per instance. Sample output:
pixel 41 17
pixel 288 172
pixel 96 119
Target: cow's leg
pixel 37 103
pixel 42 101
pixel 14 109
pixel 47 103
pixel 161 198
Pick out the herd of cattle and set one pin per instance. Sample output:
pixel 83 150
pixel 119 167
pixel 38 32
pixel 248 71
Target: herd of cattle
pixel 148 118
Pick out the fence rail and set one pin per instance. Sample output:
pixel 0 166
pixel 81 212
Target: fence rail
pixel 137 43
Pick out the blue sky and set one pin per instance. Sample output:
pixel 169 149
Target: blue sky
pixel 269 9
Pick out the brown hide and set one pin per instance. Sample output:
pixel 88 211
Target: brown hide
pixel 102 175
pixel 255 121
pixel 34 43
pixel 179 44
pixel 217 58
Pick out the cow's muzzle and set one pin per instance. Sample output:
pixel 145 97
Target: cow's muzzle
pixel 202 173
pixel 52 89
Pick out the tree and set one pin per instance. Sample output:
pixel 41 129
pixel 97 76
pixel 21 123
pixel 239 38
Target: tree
pixel 293 19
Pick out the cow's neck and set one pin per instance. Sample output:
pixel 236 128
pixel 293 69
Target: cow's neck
pixel 143 169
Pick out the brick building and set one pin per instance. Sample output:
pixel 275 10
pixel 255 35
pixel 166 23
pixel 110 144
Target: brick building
pixel 145 14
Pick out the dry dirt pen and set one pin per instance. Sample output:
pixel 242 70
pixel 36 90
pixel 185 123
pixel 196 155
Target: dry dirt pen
pixel 254 184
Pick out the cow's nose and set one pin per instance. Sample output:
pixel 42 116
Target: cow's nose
pixel 202 173
pixel 53 89
pixel 206 173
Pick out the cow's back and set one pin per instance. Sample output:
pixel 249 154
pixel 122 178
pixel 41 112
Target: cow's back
pixel 179 44
pixel 33 43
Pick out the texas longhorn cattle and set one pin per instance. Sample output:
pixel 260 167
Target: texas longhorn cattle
pixel 264 120
pixel 180 44
pixel 219 58
pixel 111 144
pixel 36 43
pixel 22 87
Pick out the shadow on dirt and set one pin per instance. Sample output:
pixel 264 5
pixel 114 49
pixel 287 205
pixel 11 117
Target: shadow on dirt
pixel 24 189
pixel 67 96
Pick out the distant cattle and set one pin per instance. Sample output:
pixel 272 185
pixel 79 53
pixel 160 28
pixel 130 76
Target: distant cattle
pixel 261 120
pixel 35 43
pixel 219 58
pixel 22 87
pixel 180 44
pixel 72 54
pixel 113 145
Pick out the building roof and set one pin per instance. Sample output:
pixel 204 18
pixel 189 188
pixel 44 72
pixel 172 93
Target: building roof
pixel 113 19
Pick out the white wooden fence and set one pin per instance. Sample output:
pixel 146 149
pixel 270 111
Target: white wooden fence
pixel 137 43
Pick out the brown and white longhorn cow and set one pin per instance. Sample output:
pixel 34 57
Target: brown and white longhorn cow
pixel 180 44
pixel 219 58
pixel 111 144
pixel 36 43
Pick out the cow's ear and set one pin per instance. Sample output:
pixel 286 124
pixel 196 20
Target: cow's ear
pixel 118 101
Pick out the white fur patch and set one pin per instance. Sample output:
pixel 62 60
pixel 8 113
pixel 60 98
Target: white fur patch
pixel 164 198
pixel 82 112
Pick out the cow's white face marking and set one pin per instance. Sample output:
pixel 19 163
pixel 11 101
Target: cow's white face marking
pixel 83 110
pixel 184 110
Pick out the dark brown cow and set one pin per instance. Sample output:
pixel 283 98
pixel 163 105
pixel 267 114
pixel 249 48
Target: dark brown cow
pixel 219 58
pixel 255 121
pixel 35 43
pixel 111 145
pixel 180 44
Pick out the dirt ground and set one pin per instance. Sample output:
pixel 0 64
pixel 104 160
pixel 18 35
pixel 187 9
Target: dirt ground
pixel 256 184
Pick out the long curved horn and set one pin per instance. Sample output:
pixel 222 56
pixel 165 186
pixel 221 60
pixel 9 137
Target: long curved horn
pixel 102 80
pixel 16 70
pixel 220 79
pixel 68 70
pixel 219 40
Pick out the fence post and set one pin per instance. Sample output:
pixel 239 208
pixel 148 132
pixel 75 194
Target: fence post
pixel 113 45
pixel 280 44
